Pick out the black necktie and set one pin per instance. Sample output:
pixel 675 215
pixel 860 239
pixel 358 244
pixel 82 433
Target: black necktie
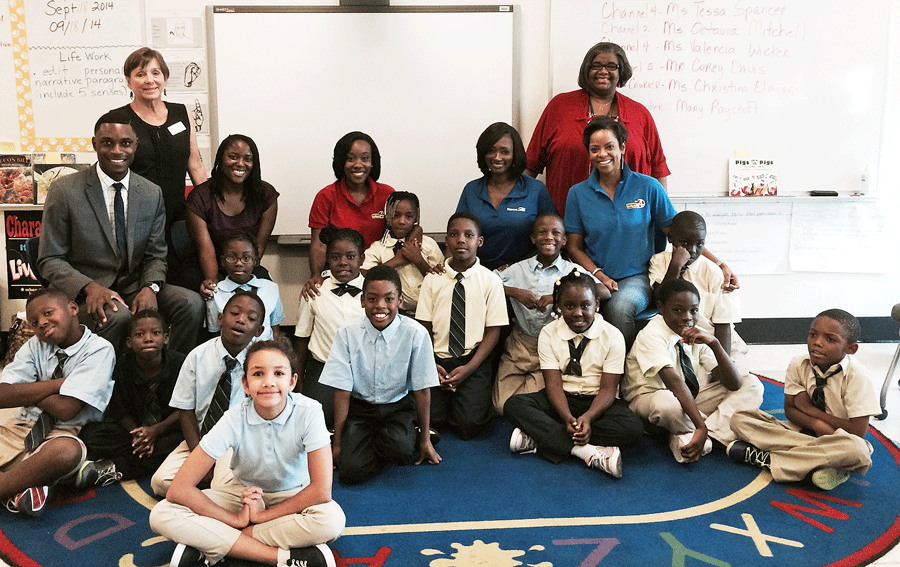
pixel 45 421
pixel 575 352
pixel 397 246
pixel 221 397
pixel 458 319
pixel 687 370
pixel 121 228
pixel 818 395
pixel 152 411
pixel 342 288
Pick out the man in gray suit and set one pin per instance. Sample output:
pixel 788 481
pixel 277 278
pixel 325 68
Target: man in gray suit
pixel 103 243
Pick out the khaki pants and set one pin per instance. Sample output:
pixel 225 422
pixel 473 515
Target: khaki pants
pixel 162 478
pixel 519 371
pixel 322 523
pixel 716 403
pixel 793 454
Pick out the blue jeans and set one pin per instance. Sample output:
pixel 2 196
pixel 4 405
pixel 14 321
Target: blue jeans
pixel 632 298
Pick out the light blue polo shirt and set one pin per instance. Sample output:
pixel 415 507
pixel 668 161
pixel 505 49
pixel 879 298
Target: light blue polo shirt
pixel 506 229
pixel 619 233
pixel 270 454
pixel 380 367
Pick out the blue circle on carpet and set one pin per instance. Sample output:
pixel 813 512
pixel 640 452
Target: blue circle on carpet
pixel 485 506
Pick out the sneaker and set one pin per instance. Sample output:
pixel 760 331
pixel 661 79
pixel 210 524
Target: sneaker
pixel 434 435
pixel 313 556
pixel 829 478
pixel 746 453
pixel 521 443
pixel 676 442
pixel 185 555
pixel 10 504
pixel 608 460
pixel 97 473
pixel 32 502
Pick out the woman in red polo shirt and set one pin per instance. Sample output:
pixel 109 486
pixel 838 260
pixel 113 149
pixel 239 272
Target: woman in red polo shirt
pixel 356 200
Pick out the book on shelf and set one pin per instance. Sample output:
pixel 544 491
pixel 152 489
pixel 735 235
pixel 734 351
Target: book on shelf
pixel 16 184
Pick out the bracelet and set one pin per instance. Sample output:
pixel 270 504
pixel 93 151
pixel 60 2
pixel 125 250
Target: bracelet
pixel 594 273
pixel 719 263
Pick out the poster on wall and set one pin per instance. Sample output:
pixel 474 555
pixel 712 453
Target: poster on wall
pixel 20 226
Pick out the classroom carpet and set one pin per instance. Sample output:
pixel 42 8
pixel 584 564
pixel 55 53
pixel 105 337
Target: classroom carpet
pixel 483 506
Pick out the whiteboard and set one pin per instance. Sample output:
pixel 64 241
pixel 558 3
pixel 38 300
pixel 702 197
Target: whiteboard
pixel 424 82
pixel 801 82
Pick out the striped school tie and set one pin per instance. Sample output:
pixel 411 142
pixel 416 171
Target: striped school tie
pixel 458 319
pixel 575 352
pixel 45 421
pixel 221 397
pixel 687 370
pixel 818 395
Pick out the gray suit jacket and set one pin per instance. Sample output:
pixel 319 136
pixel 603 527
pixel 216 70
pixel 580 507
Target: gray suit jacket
pixel 78 245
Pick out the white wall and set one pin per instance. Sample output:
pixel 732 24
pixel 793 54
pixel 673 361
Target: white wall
pixel 791 295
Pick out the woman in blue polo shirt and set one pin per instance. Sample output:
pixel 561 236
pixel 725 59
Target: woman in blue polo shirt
pixel 610 222
pixel 505 201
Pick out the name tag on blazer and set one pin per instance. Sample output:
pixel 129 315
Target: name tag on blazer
pixel 177 128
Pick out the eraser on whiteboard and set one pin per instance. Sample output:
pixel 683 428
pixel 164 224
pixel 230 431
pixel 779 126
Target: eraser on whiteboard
pixel 823 193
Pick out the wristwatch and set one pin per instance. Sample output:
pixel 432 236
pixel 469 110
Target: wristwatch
pixel 154 287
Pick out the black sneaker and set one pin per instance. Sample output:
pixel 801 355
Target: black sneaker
pixel 434 435
pixel 97 473
pixel 313 556
pixel 32 502
pixel 184 556
pixel 746 453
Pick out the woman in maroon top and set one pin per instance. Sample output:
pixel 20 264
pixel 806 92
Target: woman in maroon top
pixel 234 198
pixel 557 140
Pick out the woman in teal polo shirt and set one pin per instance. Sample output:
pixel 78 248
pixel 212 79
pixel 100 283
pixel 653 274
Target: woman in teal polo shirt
pixel 505 201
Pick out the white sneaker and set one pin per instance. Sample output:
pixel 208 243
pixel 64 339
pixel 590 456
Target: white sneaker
pixel 676 442
pixel 608 460
pixel 521 443
pixel 829 478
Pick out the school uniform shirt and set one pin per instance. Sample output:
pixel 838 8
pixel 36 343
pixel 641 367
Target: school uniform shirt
pixel 200 375
pixel 507 228
pixel 270 454
pixel 619 233
pixel 267 290
pixel 531 275
pixel 604 353
pixel 87 372
pixel 334 205
pixel 848 394
pixel 716 306
pixel 410 277
pixel 320 318
pixel 380 367
pixel 132 386
pixel 654 349
pixel 485 305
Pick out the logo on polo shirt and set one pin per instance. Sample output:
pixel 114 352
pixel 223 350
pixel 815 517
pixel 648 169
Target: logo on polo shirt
pixel 637 204
pixel 378 215
pixel 515 210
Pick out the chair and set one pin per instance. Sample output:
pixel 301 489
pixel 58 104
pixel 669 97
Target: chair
pixel 31 251
pixel 895 315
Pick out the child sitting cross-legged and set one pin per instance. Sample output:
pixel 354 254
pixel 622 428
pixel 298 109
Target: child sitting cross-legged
pixel 276 509
pixel 411 255
pixel 677 376
pixel 578 412
pixel 239 259
pixel 828 400
pixel 60 379
pixel 140 429
pixel 382 369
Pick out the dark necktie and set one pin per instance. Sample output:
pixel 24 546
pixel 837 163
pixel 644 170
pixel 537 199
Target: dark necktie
pixel 121 227
pixel 152 411
pixel 575 352
pixel 687 370
pixel 458 319
pixel 818 395
pixel 45 421
pixel 397 246
pixel 342 288
pixel 221 397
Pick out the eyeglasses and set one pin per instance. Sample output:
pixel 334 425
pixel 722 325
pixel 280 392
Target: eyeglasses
pixel 246 258
pixel 611 67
